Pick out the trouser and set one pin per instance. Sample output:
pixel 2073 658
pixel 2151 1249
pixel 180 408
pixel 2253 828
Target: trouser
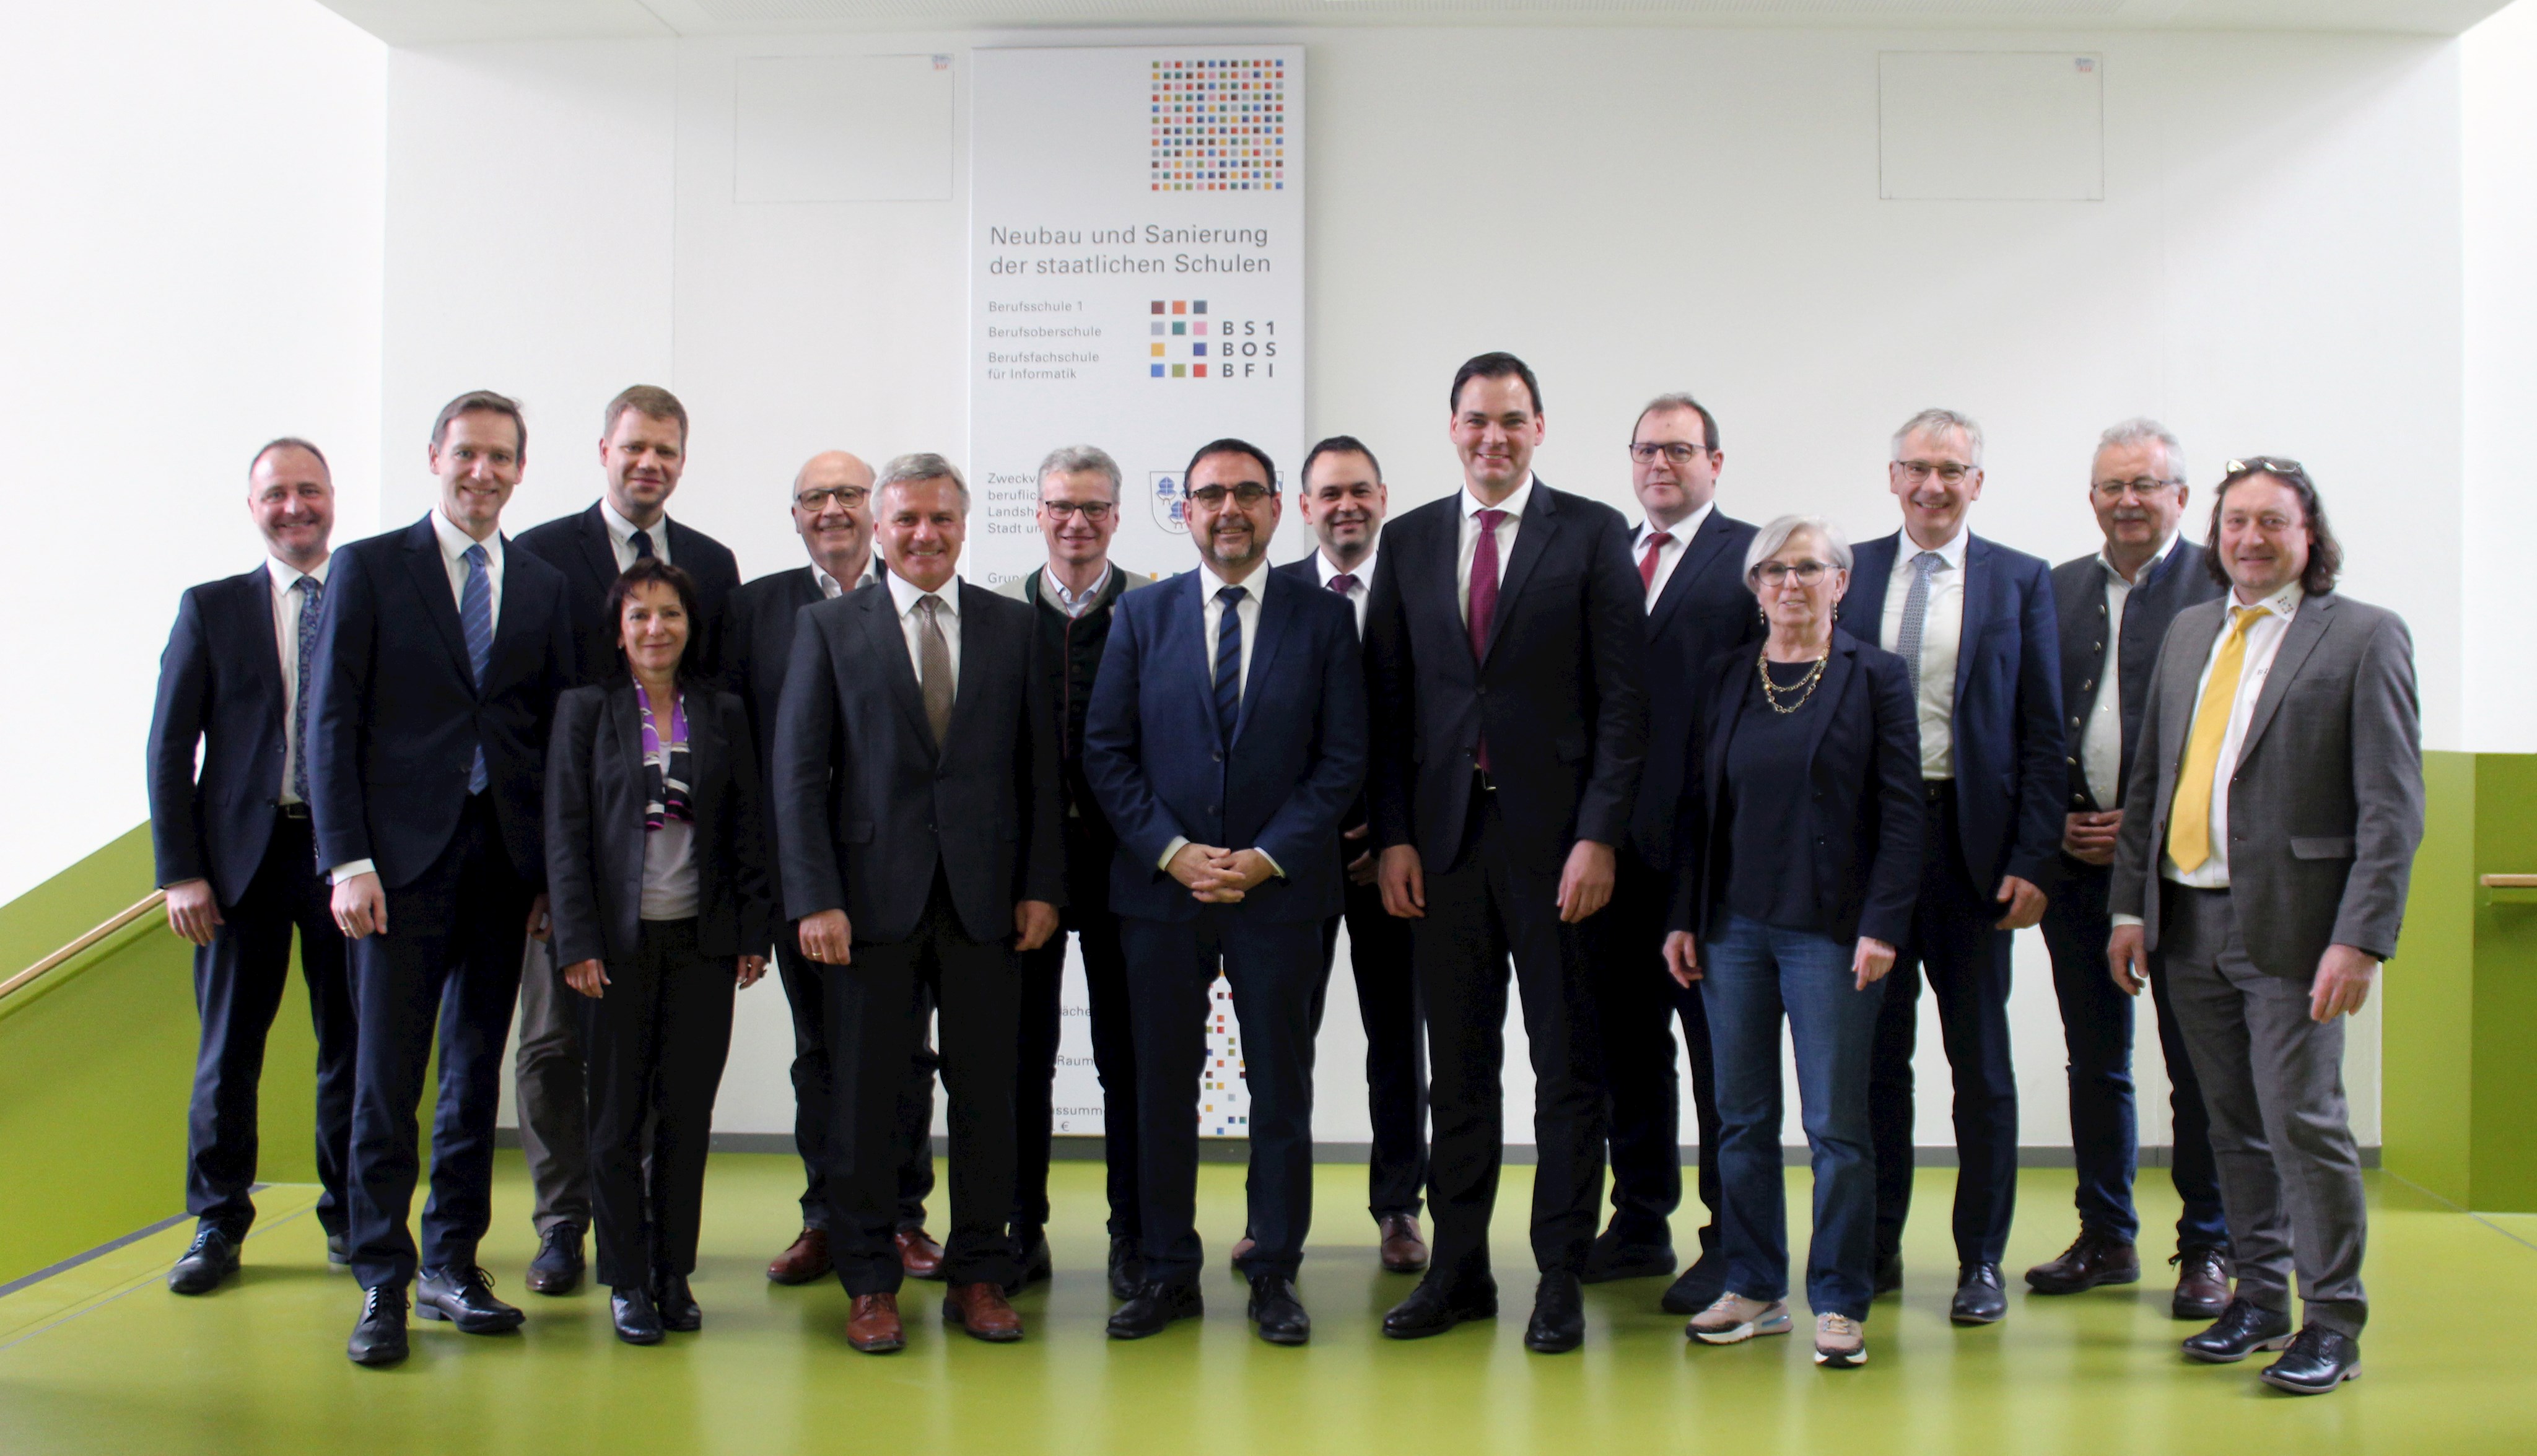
pixel 877 1007
pixel 656 1043
pixel 1754 974
pixel 1395 1049
pixel 2281 1132
pixel 814 1104
pixel 1966 959
pixel 553 1119
pixel 1088 848
pixel 238 979
pixel 1494 904
pixel 450 955
pixel 1637 1002
pixel 2097 1028
pixel 1273 968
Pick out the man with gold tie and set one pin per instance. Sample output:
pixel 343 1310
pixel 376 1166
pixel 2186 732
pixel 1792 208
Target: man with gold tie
pixel 2263 870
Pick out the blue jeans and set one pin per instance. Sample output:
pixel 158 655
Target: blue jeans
pixel 1753 974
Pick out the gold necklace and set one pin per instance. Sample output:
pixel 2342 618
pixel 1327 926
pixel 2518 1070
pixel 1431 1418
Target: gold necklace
pixel 1805 688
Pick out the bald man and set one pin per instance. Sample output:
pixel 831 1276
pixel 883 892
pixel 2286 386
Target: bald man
pixel 832 510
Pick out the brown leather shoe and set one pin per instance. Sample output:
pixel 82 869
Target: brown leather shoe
pixel 980 1308
pixel 1404 1251
pixel 805 1261
pixel 2202 1278
pixel 873 1326
pixel 2094 1258
pixel 919 1254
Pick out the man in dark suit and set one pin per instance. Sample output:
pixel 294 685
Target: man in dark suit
pixel 916 799
pixel 1227 735
pixel 1072 600
pixel 2261 870
pixel 642 451
pixel 1344 501
pixel 2115 606
pixel 832 513
pixel 237 859
pixel 437 665
pixel 1690 557
pixel 1975 620
pixel 1508 664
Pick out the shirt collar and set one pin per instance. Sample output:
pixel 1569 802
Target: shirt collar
pixel 454 541
pixel 1363 570
pixel 1681 531
pixel 1953 552
pixel 905 594
pixel 2284 603
pixel 286 575
pixel 622 531
pixel 1513 505
pixel 2148 568
pixel 1257 583
pixel 1070 603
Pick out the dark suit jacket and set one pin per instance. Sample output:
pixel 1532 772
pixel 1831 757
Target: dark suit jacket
pixel 2007 739
pixel 595 835
pixel 864 805
pixel 2326 804
pixel 1561 691
pixel 1704 611
pixel 578 546
pixel 1862 778
pixel 1305 573
pixel 2175 582
pixel 396 718
pixel 220 685
pixel 1161 769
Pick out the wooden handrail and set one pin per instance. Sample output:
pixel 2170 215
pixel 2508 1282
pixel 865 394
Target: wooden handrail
pixel 157 898
pixel 2489 882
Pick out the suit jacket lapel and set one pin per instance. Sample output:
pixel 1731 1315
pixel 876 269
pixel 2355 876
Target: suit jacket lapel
pixel 704 753
pixel 264 659
pixel 2181 673
pixel 890 644
pixel 1190 617
pixel 1276 616
pixel 1872 569
pixel 1977 612
pixel 1836 681
pixel 511 626
pixel 598 552
pixel 430 576
pixel 1697 553
pixel 2299 639
pixel 1531 537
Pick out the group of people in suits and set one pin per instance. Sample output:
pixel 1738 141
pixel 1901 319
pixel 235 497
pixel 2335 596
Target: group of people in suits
pixel 1683 775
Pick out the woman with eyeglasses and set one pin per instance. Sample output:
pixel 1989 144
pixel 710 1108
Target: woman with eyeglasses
pixel 655 866
pixel 1800 856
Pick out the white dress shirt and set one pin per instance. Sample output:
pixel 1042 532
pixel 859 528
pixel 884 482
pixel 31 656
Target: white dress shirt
pixel 1942 630
pixel 1247 614
pixel 453 555
pixel 2101 744
pixel 286 639
pixel 1669 555
pixel 1472 505
pixel 1069 603
pixel 906 595
pixel 620 536
pixel 1357 595
pixel 828 585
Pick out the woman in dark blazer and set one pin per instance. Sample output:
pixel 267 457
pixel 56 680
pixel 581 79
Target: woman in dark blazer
pixel 656 864
pixel 1800 854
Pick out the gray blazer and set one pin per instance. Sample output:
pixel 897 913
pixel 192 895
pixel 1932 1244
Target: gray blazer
pixel 2326 803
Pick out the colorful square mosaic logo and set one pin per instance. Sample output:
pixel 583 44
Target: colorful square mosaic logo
pixel 1177 325
pixel 1218 125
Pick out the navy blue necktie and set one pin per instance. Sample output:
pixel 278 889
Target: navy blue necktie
pixel 641 541
pixel 1228 662
pixel 476 617
pixel 313 594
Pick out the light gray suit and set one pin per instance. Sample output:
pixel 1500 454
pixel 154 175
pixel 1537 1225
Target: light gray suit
pixel 2325 807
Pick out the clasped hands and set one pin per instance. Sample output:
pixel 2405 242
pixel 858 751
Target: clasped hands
pixel 1219 876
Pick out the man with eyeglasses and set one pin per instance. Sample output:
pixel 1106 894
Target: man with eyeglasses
pixel 1690 557
pixel 1975 622
pixel 2115 606
pixel 1072 599
pixel 831 496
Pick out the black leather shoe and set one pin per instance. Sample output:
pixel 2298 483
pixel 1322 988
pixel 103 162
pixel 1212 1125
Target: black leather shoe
pixel 379 1338
pixel 2244 1328
pixel 2317 1361
pixel 1558 1323
pixel 211 1258
pixel 637 1317
pixel 1889 1277
pixel 339 1250
pixel 2094 1259
pixel 464 1297
pixel 1436 1306
pixel 1611 1257
pixel 2202 1278
pixel 556 1270
pixel 1154 1308
pixel 1127 1271
pixel 1030 1251
pixel 1277 1311
pixel 1698 1288
pixel 1979 1296
pixel 677 1304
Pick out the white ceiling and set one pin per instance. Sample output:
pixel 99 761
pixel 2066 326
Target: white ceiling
pixel 441 22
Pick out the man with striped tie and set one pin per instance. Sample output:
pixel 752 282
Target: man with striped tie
pixel 437 665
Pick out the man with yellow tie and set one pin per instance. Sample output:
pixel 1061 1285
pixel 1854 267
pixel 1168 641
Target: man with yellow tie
pixel 2262 869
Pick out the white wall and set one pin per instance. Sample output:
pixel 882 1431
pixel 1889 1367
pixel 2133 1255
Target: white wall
pixel 192 236
pixel 2495 60
pixel 2275 268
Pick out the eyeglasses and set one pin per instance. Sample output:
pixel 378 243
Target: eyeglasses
pixel 1676 451
pixel 2264 465
pixel 1094 511
pixel 1945 470
pixel 2142 486
pixel 1776 572
pixel 1249 493
pixel 819 499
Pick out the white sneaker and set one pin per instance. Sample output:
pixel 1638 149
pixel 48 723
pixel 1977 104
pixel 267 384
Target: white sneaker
pixel 1734 1318
pixel 1839 1342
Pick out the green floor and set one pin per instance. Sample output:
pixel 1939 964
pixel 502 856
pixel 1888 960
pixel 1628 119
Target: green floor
pixel 102 1359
